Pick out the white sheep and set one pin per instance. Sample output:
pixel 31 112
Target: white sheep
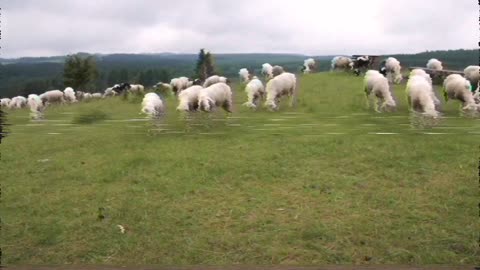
pixel 79 95
pixel 213 80
pixel 244 75
pixel 69 95
pixel 87 96
pixel 97 95
pixel 36 106
pixel 376 84
pixel 267 71
pixel 255 92
pixel 152 105
pixel 393 69
pixel 53 96
pixel 421 72
pixel 472 73
pixel 341 62
pixel 134 89
pixel 434 64
pixel 218 94
pixel 109 92
pixel 188 98
pixel 308 65
pixel 282 85
pixel 419 96
pixel 457 87
pixel 179 84
pixel 4 102
pixel 17 102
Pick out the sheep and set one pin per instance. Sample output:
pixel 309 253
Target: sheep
pixel 179 84
pixel 17 102
pixel 213 80
pixel 69 95
pixel 255 92
pixel 96 95
pixel 53 96
pixel 36 106
pixel 282 85
pixel 421 72
pixel 152 105
pixel 341 62
pixel 218 94
pixel 188 98
pixel 4 102
pixel 87 96
pixel 267 71
pixel 109 92
pixel 361 63
pixel 434 64
pixel 277 70
pixel 392 70
pixel 472 73
pixel 375 83
pixel 419 96
pixel 476 94
pixel 244 75
pixel 79 95
pixel 457 87
pixel 132 88
pixel 308 65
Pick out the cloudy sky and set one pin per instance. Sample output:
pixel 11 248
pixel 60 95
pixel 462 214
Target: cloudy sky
pixel 311 27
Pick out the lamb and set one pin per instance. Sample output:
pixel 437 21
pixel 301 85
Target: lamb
pixel 244 75
pixel 218 94
pixel 36 106
pixel 267 71
pixel 17 102
pixel 457 87
pixel 255 92
pixel 282 85
pixel 472 73
pixel 419 96
pixel 277 70
pixel 152 105
pixel 434 64
pixel 308 65
pixel 188 98
pixel 53 96
pixel 213 80
pixel 375 83
pixel 4 102
pixel 69 95
pixel 341 62
pixel 421 72
pixel 392 70
pixel 179 84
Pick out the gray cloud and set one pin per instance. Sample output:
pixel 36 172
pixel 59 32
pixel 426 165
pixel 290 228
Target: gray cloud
pixel 54 27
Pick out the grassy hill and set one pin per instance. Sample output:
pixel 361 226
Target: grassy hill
pixel 325 182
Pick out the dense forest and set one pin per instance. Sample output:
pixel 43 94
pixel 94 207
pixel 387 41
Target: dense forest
pixel 35 75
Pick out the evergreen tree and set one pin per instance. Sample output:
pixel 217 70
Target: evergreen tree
pixel 80 73
pixel 209 64
pixel 200 70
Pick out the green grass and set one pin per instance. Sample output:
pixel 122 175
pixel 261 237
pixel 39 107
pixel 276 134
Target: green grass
pixel 302 186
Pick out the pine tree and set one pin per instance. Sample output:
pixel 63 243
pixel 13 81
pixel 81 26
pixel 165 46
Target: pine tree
pixel 209 64
pixel 80 73
pixel 200 70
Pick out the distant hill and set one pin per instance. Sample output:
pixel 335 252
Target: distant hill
pixel 37 74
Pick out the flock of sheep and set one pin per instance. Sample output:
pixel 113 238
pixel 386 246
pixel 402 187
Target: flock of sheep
pixel 215 91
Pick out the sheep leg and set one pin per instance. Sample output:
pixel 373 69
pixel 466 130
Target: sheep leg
pixel 227 106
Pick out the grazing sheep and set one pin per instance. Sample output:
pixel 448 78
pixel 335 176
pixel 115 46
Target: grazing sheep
pixel 282 85
pixel 36 106
pixel 255 92
pixel 79 95
pixel 341 62
pixel 213 80
pixel 96 95
pixel 434 64
pixel 69 95
pixel 392 70
pixel 308 65
pixel 244 75
pixel 152 105
pixel 132 88
pixel 419 96
pixel 277 70
pixel 457 87
pixel 421 72
pixel 53 96
pixel 179 84
pixel 4 102
pixel 87 96
pixel 188 98
pixel 376 84
pixel 17 102
pixel 218 94
pixel 267 71
pixel 472 73
pixel 109 92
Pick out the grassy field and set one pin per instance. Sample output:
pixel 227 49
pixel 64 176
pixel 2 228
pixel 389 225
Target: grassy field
pixel 326 182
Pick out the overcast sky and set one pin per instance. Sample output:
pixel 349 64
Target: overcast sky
pixel 311 27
